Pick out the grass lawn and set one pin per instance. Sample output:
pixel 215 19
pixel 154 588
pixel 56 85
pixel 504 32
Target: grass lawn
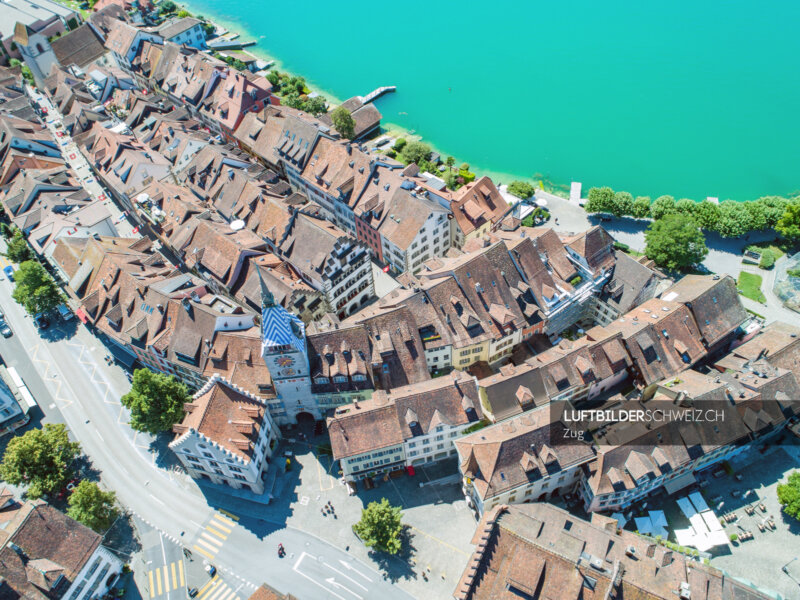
pixel 749 286
pixel 778 247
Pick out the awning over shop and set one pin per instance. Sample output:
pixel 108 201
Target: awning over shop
pixel 680 482
pixel 82 316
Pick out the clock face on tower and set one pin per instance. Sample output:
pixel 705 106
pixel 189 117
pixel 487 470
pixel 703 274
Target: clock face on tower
pixel 285 361
pixel 287 372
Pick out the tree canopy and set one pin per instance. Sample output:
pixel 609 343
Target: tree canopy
pixel 789 495
pixel 35 290
pixel 17 249
pixel 521 189
pixel 381 526
pixel 156 401
pixel 93 507
pixel 661 206
pixel 675 242
pixel 343 122
pixel 600 200
pixel 41 459
pixel 789 223
pixel 641 207
pixel 415 152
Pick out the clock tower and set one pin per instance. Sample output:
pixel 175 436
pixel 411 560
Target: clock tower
pixel 283 347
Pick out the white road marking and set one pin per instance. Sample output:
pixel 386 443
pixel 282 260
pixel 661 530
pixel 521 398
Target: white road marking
pixel 345 576
pixel 350 567
pixel 311 579
pixel 100 436
pixel 332 581
pixel 157 500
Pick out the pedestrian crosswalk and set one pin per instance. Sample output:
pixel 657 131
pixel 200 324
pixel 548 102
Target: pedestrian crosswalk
pixel 166 578
pixel 217 589
pixel 216 531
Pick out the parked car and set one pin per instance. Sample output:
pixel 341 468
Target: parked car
pixel 211 570
pixel 64 312
pixel 9 271
pixel 5 329
pixel 192 592
pixel 41 320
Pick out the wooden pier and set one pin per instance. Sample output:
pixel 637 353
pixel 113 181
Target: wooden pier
pixel 374 94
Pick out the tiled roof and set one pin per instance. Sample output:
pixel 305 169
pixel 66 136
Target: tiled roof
pixel 714 303
pixel 79 47
pixel 388 418
pixel 476 204
pixel 495 457
pixel 541 551
pixel 52 544
pixel 225 416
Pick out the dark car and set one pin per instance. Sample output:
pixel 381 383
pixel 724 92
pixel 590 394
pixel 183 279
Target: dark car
pixel 41 320
pixel 5 329
pixel 192 592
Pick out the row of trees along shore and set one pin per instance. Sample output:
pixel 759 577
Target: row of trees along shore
pixel 728 218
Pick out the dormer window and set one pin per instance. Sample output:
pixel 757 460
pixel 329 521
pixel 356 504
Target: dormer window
pixel 320 379
pixel 340 379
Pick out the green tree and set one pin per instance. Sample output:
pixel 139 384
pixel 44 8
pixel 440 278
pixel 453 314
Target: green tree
pixel 275 80
pixel 316 106
pixel 675 242
pixel 343 122
pixel 641 207
pixel 156 401
pixel 451 180
pixel 521 189
pixel 789 223
pixel 623 204
pixel 35 290
pixel 27 75
pixel 40 459
pixel 93 507
pixel 450 162
pixel 380 527
pixel 183 13
pixel 733 219
pixel 685 206
pixel 415 152
pixel 464 167
pixel 756 215
pixel 662 206
pixel 599 200
pixel 399 144
pixel 767 260
pixel 774 207
pixel 706 214
pixel 789 495
pixel 18 249
pixel 167 7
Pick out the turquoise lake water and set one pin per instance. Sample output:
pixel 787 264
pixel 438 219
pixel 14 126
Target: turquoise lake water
pixel 687 98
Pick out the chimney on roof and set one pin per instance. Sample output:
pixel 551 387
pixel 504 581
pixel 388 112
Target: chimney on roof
pixel 245 427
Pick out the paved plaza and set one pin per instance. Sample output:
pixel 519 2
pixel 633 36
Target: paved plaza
pixel 440 525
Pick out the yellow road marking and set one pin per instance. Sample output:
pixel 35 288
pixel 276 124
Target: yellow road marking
pixel 205 587
pixel 211 589
pixel 214 531
pixel 207 545
pixel 225 520
pixel 180 570
pixel 203 552
pixel 166 579
pixel 158 580
pixel 174 577
pixel 231 515
pixel 433 537
pixel 152 589
pixel 216 541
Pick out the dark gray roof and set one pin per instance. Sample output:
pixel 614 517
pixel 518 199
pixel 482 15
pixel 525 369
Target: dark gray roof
pixel 79 47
